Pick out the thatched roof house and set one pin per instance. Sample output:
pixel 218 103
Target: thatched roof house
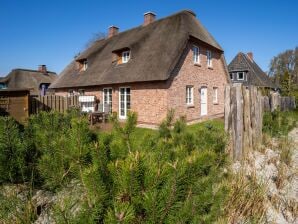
pixel 37 81
pixel 244 69
pixel 155 50
pixel 170 63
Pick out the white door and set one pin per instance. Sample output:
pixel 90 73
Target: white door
pixel 124 102
pixel 204 101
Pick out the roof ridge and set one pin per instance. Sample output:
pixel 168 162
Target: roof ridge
pixel 30 70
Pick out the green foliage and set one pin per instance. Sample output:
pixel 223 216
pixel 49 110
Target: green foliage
pixel 172 175
pixel 279 123
pixel 11 151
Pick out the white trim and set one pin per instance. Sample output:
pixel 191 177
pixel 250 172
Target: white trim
pixel 204 111
pixel 85 65
pixel 125 58
pixel 196 58
pixel 215 95
pixel 110 101
pixel 209 59
pixel 189 95
pixel 238 76
pixel 125 101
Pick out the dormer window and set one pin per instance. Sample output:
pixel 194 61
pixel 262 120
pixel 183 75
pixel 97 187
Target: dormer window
pixel 125 56
pixel 3 86
pixel 85 65
pixel 82 65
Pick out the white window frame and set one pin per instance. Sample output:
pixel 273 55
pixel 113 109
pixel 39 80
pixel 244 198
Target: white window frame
pixel 125 56
pixel 189 95
pixel 209 59
pixel 85 65
pixel 215 95
pixel 196 54
pixel 125 102
pixel 242 77
pixel 110 99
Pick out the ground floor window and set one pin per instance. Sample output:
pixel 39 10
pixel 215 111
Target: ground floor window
pixel 107 99
pixel 189 95
pixel 124 102
pixel 215 95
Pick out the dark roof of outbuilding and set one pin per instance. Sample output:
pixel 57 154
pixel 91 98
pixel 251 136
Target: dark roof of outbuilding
pixel 257 77
pixel 155 51
pixel 27 79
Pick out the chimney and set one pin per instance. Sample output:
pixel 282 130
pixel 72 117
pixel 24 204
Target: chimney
pixel 250 55
pixel 149 17
pixel 42 68
pixel 113 30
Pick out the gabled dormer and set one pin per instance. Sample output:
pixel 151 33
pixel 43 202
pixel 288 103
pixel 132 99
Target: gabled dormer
pixel 82 64
pixel 122 56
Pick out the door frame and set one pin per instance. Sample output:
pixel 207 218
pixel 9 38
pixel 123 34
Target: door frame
pixel 203 87
pixel 125 101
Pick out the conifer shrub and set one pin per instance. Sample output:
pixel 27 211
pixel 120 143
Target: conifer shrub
pixel 173 175
pixel 12 163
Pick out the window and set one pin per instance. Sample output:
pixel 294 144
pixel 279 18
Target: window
pixel 231 76
pixel 209 59
pixel 196 55
pixel 107 99
pixel 3 86
pixel 71 92
pixel 240 75
pixel 81 92
pixel 85 65
pixel 125 56
pixel 189 95
pixel 215 95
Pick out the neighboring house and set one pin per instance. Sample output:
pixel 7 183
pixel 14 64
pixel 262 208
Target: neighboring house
pixel 37 81
pixel 171 63
pixel 243 69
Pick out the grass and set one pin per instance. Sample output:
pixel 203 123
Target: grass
pixel 141 133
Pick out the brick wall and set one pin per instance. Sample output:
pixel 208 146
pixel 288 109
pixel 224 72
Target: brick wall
pixel 149 100
pixel 186 73
pixel 152 100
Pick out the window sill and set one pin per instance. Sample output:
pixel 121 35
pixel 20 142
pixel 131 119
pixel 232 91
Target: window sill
pixel 197 64
pixel 215 103
pixel 210 67
pixel 190 106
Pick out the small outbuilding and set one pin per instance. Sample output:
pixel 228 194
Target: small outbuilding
pixel 36 81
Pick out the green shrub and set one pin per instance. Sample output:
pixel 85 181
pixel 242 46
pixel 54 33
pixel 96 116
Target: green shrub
pixel 279 123
pixel 12 164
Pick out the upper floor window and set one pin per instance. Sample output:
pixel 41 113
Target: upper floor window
pixel 85 65
pixel 125 56
pixel 231 76
pixel 240 75
pixel 189 95
pixel 196 54
pixel 209 59
pixel 3 86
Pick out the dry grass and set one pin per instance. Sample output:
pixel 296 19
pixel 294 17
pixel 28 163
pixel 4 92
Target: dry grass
pixel 246 202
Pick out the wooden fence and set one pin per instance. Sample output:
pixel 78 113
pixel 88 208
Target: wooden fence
pixel 52 102
pixel 244 108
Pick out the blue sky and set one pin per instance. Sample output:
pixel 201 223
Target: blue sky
pixel 51 32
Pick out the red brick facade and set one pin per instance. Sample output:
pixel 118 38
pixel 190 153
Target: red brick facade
pixel 152 100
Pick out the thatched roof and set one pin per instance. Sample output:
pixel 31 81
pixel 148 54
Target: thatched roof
pixel 155 51
pixel 27 79
pixel 256 76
